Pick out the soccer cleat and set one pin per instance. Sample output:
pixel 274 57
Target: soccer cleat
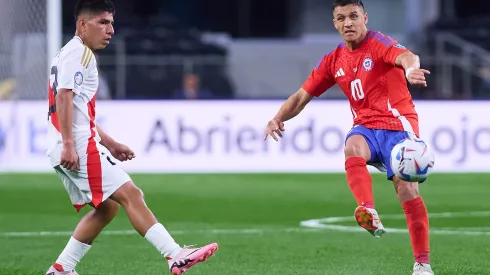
pixel 422 269
pixel 190 256
pixel 54 271
pixel 368 219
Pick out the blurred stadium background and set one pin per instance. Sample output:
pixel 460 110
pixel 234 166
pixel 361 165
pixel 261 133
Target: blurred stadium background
pixel 190 86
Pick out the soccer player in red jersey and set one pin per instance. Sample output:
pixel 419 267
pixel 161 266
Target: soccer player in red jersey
pixel 370 68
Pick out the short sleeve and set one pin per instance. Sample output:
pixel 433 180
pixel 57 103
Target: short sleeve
pixel 72 68
pixel 387 49
pixel 321 78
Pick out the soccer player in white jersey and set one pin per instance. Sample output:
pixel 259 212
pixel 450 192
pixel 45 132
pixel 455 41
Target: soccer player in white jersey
pixel 81 152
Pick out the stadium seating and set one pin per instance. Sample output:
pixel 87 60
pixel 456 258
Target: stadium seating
pixel 158 52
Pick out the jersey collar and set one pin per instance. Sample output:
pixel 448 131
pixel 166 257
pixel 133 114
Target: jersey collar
pixel 78 37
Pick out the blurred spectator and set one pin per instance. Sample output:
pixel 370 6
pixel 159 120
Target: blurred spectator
pixel 6 88
pixel 191 89
pixel 485 86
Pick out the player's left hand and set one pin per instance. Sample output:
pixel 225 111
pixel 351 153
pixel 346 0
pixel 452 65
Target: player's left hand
pixel 122 152
pixel 416 77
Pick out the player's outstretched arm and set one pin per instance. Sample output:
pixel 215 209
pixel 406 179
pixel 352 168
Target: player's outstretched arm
pixel 289 109
pixel 411 64
pixel 118 150
pixel 64 108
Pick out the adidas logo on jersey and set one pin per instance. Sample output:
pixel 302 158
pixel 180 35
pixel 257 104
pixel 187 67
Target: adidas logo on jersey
pixel 340 72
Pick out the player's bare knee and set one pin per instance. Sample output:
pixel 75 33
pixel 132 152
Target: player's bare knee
pixel 127 193
pixel 405 190
pixel 356 146
pixel 107 210
pixel 352 151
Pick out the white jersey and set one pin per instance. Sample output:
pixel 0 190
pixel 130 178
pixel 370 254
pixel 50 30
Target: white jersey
pixel 74 68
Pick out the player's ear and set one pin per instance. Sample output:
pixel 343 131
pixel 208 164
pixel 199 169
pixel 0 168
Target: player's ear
pixel 365 18
pixel 81 23
pixel 335 24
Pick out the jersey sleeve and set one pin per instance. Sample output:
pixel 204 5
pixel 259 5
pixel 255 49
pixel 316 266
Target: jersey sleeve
pixel 321 78
pixel 387 49
pixel 72 68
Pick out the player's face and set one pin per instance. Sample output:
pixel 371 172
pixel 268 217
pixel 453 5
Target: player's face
pixel 98 30
pixel 350 21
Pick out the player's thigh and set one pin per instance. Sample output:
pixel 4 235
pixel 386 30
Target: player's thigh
pixel 68 178
pixel 99 176
pixel 113 176
pixel 361 142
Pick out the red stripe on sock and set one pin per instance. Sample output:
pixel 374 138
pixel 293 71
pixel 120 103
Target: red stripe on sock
pixel 418 228
pixel 360 181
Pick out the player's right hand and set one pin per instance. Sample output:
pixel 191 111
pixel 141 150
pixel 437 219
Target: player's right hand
pixel 69 158
pixel 274 127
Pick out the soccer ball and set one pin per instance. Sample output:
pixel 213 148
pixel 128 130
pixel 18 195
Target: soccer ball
pixel 412 160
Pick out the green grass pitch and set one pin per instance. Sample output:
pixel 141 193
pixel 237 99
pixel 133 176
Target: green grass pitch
pixel 255 218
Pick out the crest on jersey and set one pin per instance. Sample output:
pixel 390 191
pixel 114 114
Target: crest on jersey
pixel 367 64
pixel 399 46
pixel 78 78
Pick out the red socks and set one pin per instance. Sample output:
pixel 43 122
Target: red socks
pixel 360 183
pixel 359 180
pixel 418 227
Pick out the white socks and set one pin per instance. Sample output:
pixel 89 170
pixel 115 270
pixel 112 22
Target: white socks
pixel 159 237
pixel 72 254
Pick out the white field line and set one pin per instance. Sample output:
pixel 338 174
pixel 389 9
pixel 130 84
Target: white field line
pixel 314 225
pixel 328 223
pixel 174 232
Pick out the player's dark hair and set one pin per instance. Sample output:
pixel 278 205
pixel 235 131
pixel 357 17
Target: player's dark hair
pixel 94 6
pixel 341 3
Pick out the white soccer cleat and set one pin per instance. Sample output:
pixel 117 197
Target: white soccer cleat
pixel 53 271
pixel 422 269
pixel 368 219
pixel 190 256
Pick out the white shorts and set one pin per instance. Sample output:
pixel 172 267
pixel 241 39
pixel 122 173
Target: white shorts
pixel 98 178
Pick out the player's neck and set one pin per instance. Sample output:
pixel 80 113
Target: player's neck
pixel 354 45
pixel 83 40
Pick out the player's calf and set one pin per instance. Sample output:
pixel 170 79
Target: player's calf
pixel 131 198
pixel 143 220
pixel 417 218
pixel 357 152
pixel 94 221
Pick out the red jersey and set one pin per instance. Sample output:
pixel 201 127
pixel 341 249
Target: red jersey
pixel 376 88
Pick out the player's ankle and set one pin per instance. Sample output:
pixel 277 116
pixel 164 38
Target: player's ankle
pixel 368 204
pixel 422 258
pixel 72 254
pixel 159 237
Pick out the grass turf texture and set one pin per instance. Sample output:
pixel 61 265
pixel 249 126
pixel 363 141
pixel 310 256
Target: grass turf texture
pixel 192 205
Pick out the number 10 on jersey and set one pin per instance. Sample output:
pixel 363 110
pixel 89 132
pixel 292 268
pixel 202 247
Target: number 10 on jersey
pixel 356 88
